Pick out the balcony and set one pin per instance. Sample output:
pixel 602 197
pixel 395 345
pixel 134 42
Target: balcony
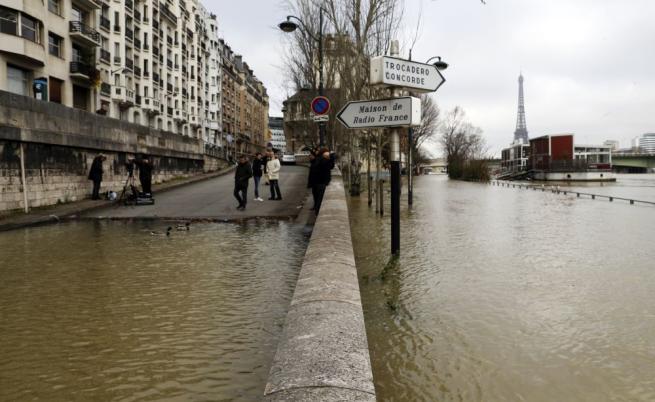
pixel 177 67
pixel 80 69
pixel 169 88
pixel 129 64
pixel 146 47
pixel 105 56
pixel 84 34
pixel 155 51
pixel 129 5
pixel 185 93
pixel 166 12
pixel 180 116
pixel 137 16
pixel 105 89
pixel 138 100
pixel 146 74
pixel 169 111
pixel 137 43
pixel 212 124
pixel 129 34
pixel 169 40
pixel 124 96
pixel 117 28
pixel 155 24
pixel 155 78
pixel 117 60
pixel 150 105
pixel 89 4
pixel 169 64
pixel 105 23
pixel 137 71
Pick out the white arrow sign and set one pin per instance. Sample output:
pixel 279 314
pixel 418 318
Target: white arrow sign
pixel 391 71
pixel 398 112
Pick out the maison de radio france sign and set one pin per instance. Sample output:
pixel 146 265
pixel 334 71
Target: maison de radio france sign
pixel 396 112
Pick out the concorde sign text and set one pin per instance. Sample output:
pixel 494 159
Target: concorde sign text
pixel 398 112
pixel 404 73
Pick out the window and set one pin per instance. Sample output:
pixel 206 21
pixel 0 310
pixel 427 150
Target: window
pixel 54 44
pixel 54 6
pixel 29 28
pixel 18 80
pixel 8 21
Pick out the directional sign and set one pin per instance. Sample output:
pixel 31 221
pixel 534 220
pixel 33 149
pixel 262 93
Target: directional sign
pixel 391 71
pixel 398 112
pixel 321 105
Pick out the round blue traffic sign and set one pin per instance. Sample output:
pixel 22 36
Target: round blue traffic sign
pixel 320 105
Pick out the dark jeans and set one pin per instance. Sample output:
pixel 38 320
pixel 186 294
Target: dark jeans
pixel 241 194
pixel 257 180
pixel 146 184
pixel 96 190
pixel 318 191
pixel 275 187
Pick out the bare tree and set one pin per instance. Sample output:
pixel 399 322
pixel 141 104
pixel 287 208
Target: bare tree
pixel 464 146
pixel 430 114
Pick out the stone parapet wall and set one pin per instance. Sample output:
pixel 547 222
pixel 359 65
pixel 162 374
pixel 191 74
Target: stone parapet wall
pixel 323 352
pixel 59 144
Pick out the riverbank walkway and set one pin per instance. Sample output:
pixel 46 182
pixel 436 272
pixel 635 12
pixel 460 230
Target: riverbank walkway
pixel 205 197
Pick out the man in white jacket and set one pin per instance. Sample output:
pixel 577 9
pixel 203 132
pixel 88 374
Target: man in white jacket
pixel 273 173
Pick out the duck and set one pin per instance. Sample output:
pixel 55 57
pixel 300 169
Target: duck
pixel 186 226
pixel 168 232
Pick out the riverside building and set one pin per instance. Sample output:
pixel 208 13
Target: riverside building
pixel 148 62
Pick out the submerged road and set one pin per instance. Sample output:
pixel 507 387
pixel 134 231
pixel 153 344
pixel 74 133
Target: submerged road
pixel 213 199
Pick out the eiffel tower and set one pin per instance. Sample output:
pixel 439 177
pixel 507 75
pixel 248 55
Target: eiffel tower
pixel 521 133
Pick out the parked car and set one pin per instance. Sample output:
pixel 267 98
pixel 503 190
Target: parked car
pixel 288 159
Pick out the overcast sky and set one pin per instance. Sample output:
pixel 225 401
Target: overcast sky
pixel 589 65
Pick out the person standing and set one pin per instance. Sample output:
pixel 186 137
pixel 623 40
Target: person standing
pixel 311 177
pixel 323 176
pixel 242 174
pixel 273 172
pixel 257 172
pixel 145 174
pixel 95 174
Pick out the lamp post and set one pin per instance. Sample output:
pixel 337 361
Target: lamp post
pixel 440 65
pixel 290 26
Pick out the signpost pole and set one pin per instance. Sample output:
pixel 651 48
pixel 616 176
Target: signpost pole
pixel 321 125
pixel 395 173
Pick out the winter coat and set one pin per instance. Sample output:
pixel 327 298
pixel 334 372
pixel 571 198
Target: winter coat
pixel 258 167
pixel 324 171
pixel 145 169
pixel 311 178
pixel 95 173
pixel 273 169
pixel 242 174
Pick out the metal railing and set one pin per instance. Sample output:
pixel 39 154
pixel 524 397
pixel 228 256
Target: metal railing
pixel 78 67
pixel 105 55
pixel 105 89
pixel 81 28
pixel 105 23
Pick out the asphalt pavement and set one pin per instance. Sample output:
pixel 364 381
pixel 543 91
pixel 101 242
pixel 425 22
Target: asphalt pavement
pixel 213 200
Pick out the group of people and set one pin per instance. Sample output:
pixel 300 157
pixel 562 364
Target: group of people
pixel 268 166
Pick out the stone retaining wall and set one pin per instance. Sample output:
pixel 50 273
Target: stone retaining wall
pixel 323 352
pixel 59 144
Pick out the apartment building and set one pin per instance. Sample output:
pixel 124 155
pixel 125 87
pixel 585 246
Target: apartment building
pixel 149 62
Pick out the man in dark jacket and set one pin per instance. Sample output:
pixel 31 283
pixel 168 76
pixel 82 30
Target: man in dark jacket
pixel 311 177
pixel 258 165
pixel 242 174
pixel 95 174
pixel 145 174
pixel 323 176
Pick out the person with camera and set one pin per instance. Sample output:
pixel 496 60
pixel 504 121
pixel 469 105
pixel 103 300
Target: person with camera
pixel 95 174
pixel 145 173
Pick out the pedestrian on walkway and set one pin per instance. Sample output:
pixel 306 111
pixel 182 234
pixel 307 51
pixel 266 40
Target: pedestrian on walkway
pixel 323 176
pixel 242 174
pixel 257 172
pixel 273 172
pixel 145 173
pixel 311 177
pixel 95 174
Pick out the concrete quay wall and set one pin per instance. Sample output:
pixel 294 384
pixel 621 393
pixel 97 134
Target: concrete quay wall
pixel 59 144
pixel 323 352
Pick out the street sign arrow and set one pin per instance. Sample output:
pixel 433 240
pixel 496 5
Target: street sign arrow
pixel 392 71
pixel 397 112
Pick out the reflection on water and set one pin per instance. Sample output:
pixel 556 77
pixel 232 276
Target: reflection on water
pixel 105 311
pixel 508 295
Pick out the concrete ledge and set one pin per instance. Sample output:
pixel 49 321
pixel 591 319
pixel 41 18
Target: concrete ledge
pixel 323 353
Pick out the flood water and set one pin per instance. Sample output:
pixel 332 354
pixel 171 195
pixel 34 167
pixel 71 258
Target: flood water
pixel 93 311
pixel 503 294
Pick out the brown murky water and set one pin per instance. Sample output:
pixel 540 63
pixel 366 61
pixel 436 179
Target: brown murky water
pixel 511 295
pixel 95 311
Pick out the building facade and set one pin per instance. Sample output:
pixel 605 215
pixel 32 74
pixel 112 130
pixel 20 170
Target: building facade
pixel 149 62
pixel 278 140
pixel 647 143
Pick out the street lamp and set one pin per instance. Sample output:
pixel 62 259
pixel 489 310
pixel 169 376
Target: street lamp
pixel 440 65
pixel 289 26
